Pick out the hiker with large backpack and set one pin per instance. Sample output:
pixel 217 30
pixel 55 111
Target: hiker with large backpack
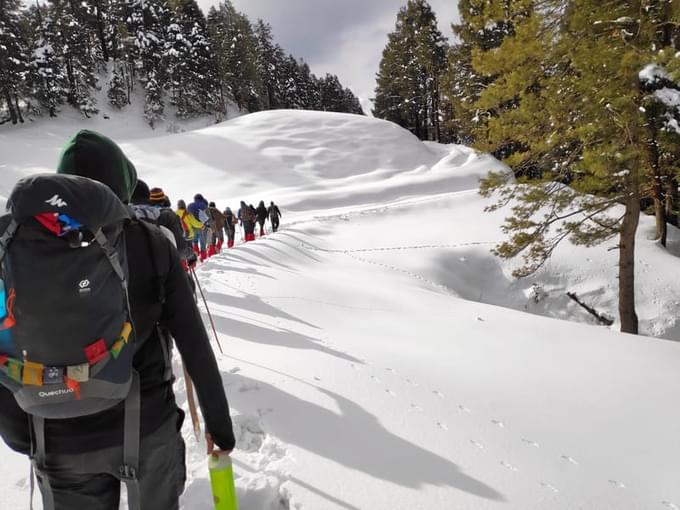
pixel 216 229
pixel 230 222
pixel 199 209
pixel 87 295
pixel 247 216
pixel 261 213
pixel 190 224
pixel 274 215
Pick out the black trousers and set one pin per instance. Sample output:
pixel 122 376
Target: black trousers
pixel 275 223
pixel 90 481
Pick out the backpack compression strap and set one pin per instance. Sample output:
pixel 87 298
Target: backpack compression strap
pixel 7 237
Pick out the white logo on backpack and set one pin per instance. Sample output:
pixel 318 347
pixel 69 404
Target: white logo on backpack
pixel 56 201
pixel 84 287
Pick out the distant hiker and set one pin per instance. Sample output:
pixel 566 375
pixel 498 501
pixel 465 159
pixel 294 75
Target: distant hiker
pixel 147 210
pixel 199 209
pixel 216 229
pixel 247 216
pixel 190 224
pixel 230 222
pixel 89 355
pixel 261 213
pixel 274 215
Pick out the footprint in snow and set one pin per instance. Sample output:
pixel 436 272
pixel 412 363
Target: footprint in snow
pixel 354 366
pixel 317 378
pixel 390 393
pixel 531 443
pixel 570 460
pixel 235 370
pixel 411 382
pixel 498 423
pixel 476 444
pixel 375 378
pixel 464 409
pixel 616 484
pixel 388 369
pixel 244 388
pixel 551 488
pixel 416 407
pixel 509 466
pixel 442 426
pixel 670 505
pixel 438 393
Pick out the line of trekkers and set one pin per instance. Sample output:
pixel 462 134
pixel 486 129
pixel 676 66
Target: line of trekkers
pixel 205 225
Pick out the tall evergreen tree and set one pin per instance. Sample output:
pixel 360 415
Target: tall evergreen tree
pixel 583 53
pixel 14 59
pixel 408 82
pixel 236 53
pixel 269 60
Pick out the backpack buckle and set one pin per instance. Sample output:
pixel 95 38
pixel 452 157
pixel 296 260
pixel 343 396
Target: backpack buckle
pixel 127 472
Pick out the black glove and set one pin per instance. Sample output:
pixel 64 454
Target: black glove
pixel 191 259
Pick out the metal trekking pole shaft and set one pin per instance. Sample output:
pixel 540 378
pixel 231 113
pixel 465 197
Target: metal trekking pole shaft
pixel 205 302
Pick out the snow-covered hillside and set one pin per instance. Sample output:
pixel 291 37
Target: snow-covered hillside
pixel 376 353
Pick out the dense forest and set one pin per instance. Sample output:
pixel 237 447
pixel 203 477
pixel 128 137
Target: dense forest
pixel 59 52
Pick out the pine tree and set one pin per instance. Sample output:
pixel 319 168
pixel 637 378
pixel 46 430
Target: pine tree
pixel 582 53
pixel 117 93
pixel 408 80
pixel 236 54
pixel 14 59
pixel 269 59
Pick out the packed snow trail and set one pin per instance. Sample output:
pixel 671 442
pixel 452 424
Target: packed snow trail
pixel 376 355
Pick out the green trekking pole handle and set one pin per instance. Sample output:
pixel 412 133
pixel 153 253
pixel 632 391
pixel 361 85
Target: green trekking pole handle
pixel 222 482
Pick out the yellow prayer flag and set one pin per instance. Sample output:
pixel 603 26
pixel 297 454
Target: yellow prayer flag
pixel 33 373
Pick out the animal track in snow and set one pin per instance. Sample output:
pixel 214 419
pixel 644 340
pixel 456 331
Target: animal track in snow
pixel 477 444
pixel 551 488
pixel 531 443
pixel 509 466
pixel 498 423
pixel 442 426
pixel 570 460
pixel 616 484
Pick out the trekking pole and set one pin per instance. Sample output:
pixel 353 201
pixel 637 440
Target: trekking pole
pixel 192 403
pixel 205 302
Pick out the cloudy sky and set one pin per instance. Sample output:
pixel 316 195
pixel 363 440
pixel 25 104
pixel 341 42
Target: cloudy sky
pixel 342 37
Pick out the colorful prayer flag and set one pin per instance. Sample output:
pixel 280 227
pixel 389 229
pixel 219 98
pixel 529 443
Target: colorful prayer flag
pixel 14 369
pixel 33 373
pixel 117 347
pixel 78 373
pixel 53 375
pixel 125 334
pixel 96 351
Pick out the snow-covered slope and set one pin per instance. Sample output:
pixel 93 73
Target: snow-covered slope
pixel 375 357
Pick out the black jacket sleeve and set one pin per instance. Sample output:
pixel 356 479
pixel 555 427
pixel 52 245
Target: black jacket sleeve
pixel 183 320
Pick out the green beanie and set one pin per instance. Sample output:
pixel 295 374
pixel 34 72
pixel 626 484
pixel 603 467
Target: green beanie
pixel 92 155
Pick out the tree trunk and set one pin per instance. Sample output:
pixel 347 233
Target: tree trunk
pixel 652 153
pixel 10 106
pixel 631 218
pixel 671 196
pixel 18 109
